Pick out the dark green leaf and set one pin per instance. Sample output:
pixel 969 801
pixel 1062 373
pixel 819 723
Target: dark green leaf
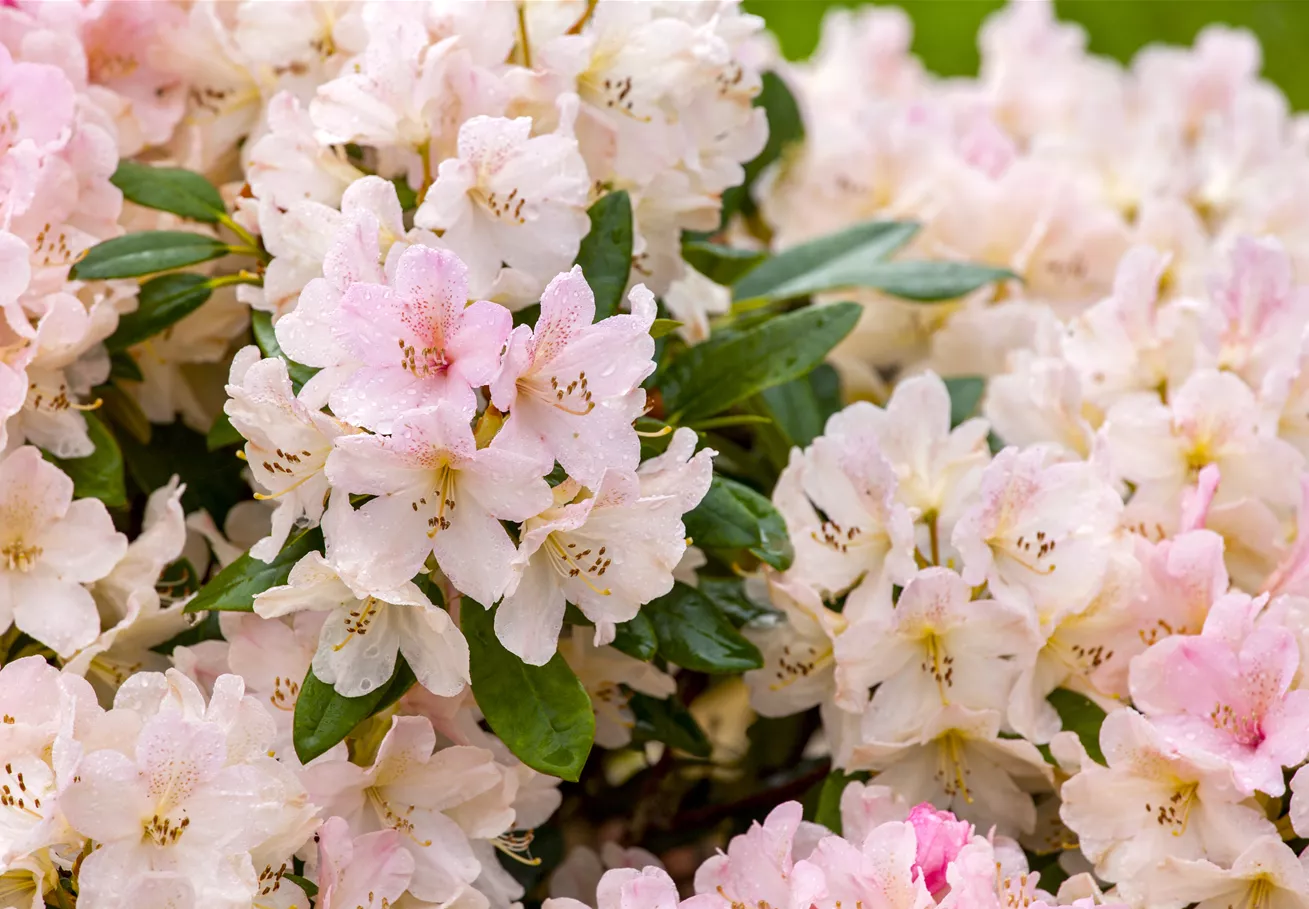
pixel 661 327
pixel 828 810
pixel 161 302
pixel 223 434
pixel 710 377
pixel 213 479
pixel 606 251
pixel 636 638
pixel 404 194
pixel 800 408
pixel 261 324
pixel 323 717
pixel 965 395
pixel 721 264
pixel 866 243
pixel 734 516
pixel 527 315
pixel 99 475
pixel 695 635
pixel 146 253
pixel 1081 715
pixel 785 126
pixel 669 722
pixel 728 594
pixel 178 579
pixel 235 587
pixel 542 713
pixel 308 886
pixel 171 189
pixel 122 366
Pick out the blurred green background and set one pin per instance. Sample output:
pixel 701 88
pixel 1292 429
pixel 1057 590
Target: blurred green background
pixel 945 31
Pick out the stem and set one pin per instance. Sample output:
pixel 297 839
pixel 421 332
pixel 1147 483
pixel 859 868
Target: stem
pixel 932 536
pixel 242 277
pixel 524 45
pixel 739 419
pixel 576 27
pixel 245 235
pixel 425 153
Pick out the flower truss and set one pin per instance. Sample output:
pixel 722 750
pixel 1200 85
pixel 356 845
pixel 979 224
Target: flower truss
pixel 434 434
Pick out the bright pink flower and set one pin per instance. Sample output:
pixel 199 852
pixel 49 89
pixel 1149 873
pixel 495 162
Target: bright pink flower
pixel 940 837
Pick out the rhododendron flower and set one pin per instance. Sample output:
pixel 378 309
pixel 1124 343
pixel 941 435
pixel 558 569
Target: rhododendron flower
pixel 365 631
pixel 800 669
pixel 760 867
pixel 609 676
pixel 418 341
pixel 939 836
pixel 363 870
pixel 571 387
pixel 437 492
pixel 882 870
pixel 50 546
pixel 608 552
pixel 1266 873
pixel 627 888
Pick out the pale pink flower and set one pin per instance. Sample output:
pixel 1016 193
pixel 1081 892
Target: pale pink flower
pixel 578 876
pixel 418 341
pixel 800 668
pixel 436 492
pixel 1267 873
pixel 608 551
pixel 362 870
pixel 572 388
pixel 880 870
pixel 50 546
pixel 760 866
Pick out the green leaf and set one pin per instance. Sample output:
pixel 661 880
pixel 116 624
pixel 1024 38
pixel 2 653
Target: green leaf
pixel 785 126
pixel 661 327
pixel 528 315
pixel 122 366
pixel 728 595
pixel 828 810
pixel 99 475
pixel 965 395
pixel 261 324
pixel 542 713
pixel 869 242
pixel 667 721
pixel 636 638
pixel 323 717
pixel 800 408
pixel 606 251
pixel 223 434
pixel 921 281
pixel 171 189
pixel 734 516
pixel 161 302
pixel 146 253
pixel 235 587
pixel 206 628
pixel 308 886
pixel 721 264
pixel 695 635
pixel 213 479
pixel 710 377
pixel 404 194
pixel 1081 715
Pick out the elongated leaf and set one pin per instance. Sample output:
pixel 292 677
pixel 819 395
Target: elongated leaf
pixel 606 251
pixel 323 717
pixel 921 281
pixel 171 189
pixel 721 264
pixel 800 408
pixel 710 377
pixel 669 722
pixel 694 634
pixel 145 253
pixel 661 327
pixel 728 595
pixel 1081 715
pixel 636 638
pixel 828 809
pixel 734 516
pixel 965 395
pixel 261 325
pixel 161 302
pixel 100 474
pixel 235 587
pixel 542 713
pixel 869 242
pixel 122 366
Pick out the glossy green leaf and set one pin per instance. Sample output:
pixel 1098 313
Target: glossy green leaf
pixel 122 366
pixel 734 516
pixel 213 480
pixel 728 594
pixel 235 587
pixel 695 635
pixel 965 396
pixel 146 253
pixel 1080 715
pixel 261 325
pixel 667 721
pixel 161 302
pixel 171 189
pixel 323 717
pixel 868 243
pixel 99 475
pixel 661 327
pixel 606 251
pixel 922 281
pixel 636 638
pixel 800 408
pixel 721 264
pixel 542 713
pixel 827 811
pixel 709 378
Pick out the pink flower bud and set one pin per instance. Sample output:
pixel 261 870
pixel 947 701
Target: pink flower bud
pixel 940 837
